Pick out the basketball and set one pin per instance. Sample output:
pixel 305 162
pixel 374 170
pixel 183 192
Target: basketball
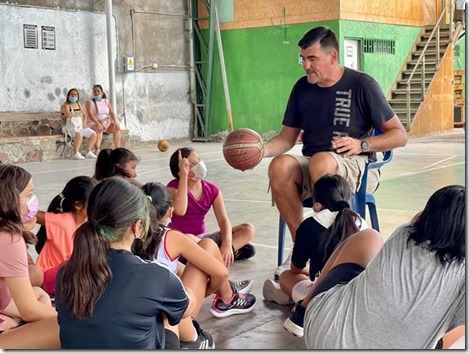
pixel 243 149
pixel 163 145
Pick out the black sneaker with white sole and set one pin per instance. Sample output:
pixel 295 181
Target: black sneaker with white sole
pixel 245 252
pixel 294 323
pixel 204 339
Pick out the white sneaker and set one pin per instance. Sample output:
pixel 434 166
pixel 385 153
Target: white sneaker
pixel 78 155
pixel 273 293
pixel 286 265
pixel 91 155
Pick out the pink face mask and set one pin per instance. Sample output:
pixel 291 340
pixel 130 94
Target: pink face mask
pixel 33 208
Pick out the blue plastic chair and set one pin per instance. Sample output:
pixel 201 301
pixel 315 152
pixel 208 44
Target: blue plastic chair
pixel 358 203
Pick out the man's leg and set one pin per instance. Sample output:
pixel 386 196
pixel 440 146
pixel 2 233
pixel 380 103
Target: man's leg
pixel 285 181
pixel 322 163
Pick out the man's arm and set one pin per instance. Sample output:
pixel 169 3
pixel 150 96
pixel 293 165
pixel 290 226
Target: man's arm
pixel 282 142
pixel 392 135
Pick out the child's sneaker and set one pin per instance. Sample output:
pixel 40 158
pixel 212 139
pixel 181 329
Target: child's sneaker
pixel 273 293
pixel 242 286
pixel 286 265
pixel 239 303
pixel 204 339
pixel 245 252
pixel 294 323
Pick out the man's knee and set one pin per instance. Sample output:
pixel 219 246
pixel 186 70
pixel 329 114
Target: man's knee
pixel 282 166
pixel 322 163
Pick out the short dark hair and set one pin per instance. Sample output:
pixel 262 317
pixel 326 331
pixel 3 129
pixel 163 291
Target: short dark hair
pixel 441 225
pixel 174 160
pixel 325 36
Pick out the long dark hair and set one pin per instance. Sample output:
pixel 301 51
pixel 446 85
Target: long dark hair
pixel 101 88
pixel 111 162
pixel 13 180
pixel 114 205
pixel 75 193
pixel 334 193
pixel 70 91
pixel 174 160
pixel 161 202
pixel 441 225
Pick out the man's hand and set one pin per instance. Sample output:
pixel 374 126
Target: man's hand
pixel 346 146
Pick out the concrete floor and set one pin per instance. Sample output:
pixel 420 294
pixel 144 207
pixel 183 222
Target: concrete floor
pixel 416 171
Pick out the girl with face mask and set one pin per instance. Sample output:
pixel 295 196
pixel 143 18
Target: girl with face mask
pixel 75 125
pixel 19 300
pixel 193 197
pixel 102 118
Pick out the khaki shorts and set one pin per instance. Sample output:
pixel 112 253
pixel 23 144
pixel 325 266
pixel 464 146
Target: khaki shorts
pixel 351 168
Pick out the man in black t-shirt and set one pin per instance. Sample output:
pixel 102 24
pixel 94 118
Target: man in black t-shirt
pixel 337 108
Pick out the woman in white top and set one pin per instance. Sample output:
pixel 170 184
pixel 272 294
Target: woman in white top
pixel 75 125
pixel 103 119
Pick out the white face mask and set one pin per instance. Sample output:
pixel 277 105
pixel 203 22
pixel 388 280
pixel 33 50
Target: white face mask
pixel 199 170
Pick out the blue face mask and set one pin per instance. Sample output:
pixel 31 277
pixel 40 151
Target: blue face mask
pixel 97 98
pixel 73 99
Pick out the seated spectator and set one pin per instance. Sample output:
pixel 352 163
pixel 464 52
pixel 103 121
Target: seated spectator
pixel 119 162
pixel 20 302
pixel 66 212
pixel 104 294
pixel 316 238
pixel 76 125
pixel 406 294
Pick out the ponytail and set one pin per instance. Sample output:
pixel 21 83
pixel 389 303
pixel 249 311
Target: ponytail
pixel 86 276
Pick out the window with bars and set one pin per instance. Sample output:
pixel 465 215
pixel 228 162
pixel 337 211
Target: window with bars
pixel 378 46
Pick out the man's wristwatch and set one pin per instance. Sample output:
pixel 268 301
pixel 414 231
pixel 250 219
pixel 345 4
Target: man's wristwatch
pixel 365 146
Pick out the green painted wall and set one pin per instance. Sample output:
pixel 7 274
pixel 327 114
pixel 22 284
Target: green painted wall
pixel 262 66
pixel 460 61
pixel 383 67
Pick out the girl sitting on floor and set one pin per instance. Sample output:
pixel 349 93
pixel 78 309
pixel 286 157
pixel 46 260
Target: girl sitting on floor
pixel 316 238
pixel 66 212
pixel 193 197
pixel 204 272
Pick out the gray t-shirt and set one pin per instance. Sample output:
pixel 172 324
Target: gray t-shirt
pixel 404 299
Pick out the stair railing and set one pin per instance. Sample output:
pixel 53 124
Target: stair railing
pixel 421 58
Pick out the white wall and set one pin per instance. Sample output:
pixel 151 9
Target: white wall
pixel 37 79
pixel 153 105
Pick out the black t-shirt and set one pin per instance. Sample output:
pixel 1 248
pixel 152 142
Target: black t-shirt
pixel 129 313
pixel 308 246
pixel 352 107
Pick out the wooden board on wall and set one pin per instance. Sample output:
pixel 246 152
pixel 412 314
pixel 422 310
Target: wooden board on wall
pixel 263 13
pixel 405 12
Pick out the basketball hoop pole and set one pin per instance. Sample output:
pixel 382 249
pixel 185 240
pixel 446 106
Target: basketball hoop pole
pixel 223 70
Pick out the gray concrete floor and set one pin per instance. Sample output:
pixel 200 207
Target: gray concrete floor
pixel 415 172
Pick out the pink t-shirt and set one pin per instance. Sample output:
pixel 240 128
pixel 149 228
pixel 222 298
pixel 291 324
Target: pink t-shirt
pixel 193 222
pixel 102 110
pixel 58 247
pixel 13 263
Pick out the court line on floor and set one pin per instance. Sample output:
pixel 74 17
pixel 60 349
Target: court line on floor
pixel 443 160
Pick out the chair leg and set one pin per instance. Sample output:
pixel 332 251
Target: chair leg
pixel 373 216
pixel 281 239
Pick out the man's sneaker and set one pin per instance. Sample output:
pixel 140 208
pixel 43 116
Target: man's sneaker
pixel 294 323
pixel 242 286
pixel 239 303
pixel 244 252
pixel 204 339
pixel 286 265
pixel 90 155
pixel 78 156
pixel 273 293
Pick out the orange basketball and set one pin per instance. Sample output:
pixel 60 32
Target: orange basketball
pixel 243 149
pixel 163 145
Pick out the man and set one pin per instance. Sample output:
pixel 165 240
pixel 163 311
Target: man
pixel 337 108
